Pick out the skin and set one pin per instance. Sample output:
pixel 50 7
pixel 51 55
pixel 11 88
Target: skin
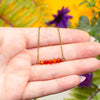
pixel 22 79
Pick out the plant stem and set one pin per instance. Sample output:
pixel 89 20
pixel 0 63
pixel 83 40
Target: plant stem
pixel 94 85
pixel 6 21
pixel 94 94
pixel 97 7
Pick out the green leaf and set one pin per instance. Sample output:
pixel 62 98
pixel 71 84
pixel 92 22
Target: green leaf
pixel 97 97
pixel 98 57
pixel 84 24
pixel 83 93
pixel 34 99
pixel 70 25
pixel 91 4
pixel 96 29
pixel 22 13
pixel 68 99
pixel 94 19
pixel 96 77
pixel 83 2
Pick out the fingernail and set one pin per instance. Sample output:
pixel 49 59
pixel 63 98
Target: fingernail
pixel 82 78
pixel 92 39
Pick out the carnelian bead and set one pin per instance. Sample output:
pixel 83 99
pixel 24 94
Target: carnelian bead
pixel 46 62
pixel 50 61
pixel 58 60
pixel 54 60
pixel 41 62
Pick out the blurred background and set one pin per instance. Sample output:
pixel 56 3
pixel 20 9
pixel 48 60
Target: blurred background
pixel 34 13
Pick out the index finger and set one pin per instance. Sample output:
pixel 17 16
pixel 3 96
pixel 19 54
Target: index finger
pixel 49 36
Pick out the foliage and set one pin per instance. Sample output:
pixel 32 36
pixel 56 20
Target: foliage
pixel 91 26
pixel 93 29
pixel 89 4
pixel 80 93
pixel 22 13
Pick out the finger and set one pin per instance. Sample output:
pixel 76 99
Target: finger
pixel 12 43
pixel 42 88
pixel 18 71
pixel 49 36
pixel 79 67
pixel 71 51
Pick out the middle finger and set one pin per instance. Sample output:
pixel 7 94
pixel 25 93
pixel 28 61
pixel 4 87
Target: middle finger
pixel 71 51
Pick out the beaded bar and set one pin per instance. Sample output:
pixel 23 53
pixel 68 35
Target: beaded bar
pixel 53 61
pixel 58 60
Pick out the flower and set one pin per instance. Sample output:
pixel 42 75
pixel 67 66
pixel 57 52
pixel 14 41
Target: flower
pixel 87 81
pixel 61 20
pixel 76 10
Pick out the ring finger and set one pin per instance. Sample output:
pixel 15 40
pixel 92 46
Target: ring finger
pixel 79 67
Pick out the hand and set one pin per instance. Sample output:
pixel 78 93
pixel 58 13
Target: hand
pixel 21 78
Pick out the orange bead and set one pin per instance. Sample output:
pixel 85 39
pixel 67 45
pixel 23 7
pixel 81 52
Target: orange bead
pixel 41 62
pixel 50 61
pixel 58 60
pixel 54 60
pixel 46 62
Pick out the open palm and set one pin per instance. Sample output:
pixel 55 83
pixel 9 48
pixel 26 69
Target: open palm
pixel 20 76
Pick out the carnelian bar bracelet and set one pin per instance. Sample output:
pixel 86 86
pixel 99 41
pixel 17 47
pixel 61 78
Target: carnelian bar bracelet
pixel 58 60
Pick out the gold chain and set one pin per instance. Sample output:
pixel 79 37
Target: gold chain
pixel 38 45
pixel 60 44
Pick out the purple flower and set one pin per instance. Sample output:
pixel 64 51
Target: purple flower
pixel 87 81
pixel 61 20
